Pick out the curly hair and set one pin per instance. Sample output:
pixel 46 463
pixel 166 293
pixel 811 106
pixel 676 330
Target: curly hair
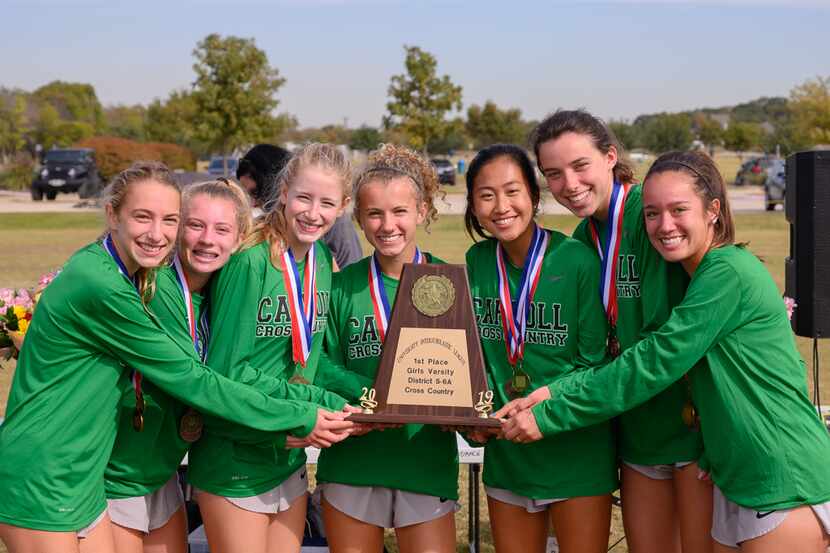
pixel 391 161
pixel 273 226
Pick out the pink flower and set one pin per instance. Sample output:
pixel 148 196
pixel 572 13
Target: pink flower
pixel 791 305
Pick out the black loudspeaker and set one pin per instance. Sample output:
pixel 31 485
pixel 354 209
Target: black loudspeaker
pixel 807 206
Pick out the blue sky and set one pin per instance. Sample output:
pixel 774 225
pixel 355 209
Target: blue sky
pixel 618 58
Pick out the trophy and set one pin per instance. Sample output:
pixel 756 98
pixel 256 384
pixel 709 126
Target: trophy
pixel 431 368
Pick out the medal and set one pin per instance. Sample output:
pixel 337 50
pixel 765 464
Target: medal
pixel 689 415
pixel 190 427
pixel 377 291
pixel 514 315
pixel 608 256
pixel 138 421
pixel 302 303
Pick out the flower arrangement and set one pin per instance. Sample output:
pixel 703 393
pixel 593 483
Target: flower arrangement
pixel 16 309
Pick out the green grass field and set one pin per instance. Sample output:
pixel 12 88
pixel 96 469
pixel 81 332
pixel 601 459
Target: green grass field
pixel 34 244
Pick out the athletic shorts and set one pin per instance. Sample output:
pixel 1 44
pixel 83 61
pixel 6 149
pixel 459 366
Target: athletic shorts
pixel 658 472
pixel 733 524
pixel 528 504
pixel 275 500
pixel 148 512
pixel 385 507
pixel 84 532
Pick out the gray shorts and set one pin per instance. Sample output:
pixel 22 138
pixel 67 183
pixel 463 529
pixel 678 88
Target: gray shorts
pixel 658 472
pixel 84 532
pixel 275 500
pixel 733 524
pixel 528 504
pixel 385 507
pixel 148 512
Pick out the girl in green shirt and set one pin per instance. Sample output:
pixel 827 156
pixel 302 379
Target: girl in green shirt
pixel 90 325
pixel 269 308
pixel 404 478
pixel 666 508
pixel 539 317
pixel 765 447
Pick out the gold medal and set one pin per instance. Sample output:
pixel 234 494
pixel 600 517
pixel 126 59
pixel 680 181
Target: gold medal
pixel 613 345
pixel 519 382
pixel 190 427
pixel 138 421
pixel 689 415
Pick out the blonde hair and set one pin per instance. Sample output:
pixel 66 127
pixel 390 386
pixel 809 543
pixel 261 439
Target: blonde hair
pixel 114 196
pixel 272 228
pixel 392 161
pixel 224 189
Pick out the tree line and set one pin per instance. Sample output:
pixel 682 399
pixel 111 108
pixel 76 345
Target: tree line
pixel 233 103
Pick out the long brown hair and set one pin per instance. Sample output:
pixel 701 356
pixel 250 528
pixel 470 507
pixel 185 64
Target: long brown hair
pixel 114 196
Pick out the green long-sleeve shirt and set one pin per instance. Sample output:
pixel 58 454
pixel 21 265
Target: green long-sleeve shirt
pixel 647 289
pixel 250 325
pixel 566 333
pixel 766 447
pixel 417 458
pixel 62 413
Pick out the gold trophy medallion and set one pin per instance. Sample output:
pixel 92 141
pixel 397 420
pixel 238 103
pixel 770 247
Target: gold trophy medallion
pixel 433 295
pixel 190 426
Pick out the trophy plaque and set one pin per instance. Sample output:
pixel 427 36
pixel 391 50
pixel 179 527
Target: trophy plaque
pixel 431 368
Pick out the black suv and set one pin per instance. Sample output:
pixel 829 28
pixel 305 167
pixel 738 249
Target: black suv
pixel 445 170
pixel 67 171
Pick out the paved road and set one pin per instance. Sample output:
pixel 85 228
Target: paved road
pixel 742 199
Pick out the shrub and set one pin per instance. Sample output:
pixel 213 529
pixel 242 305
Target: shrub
pixel 18 174
pixel 116 154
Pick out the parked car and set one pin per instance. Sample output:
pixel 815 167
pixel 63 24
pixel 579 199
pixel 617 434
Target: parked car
pixel 67 170
pixel 775 184
pixel 753 171
pixel 217 168
pixel 445 170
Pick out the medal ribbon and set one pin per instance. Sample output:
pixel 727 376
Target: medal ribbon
pixel 203 328
pixel 514 314
pixel 135 378
pixel 302 302
pixel 380 301
pixel 609 253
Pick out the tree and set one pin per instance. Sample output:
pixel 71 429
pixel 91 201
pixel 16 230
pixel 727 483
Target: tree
pixel 626 133
pixel 453 137
pixel 13 128
pixel 126 121
pixel 174 120
pixel 234 93
pixel 709 132
pixel 491 125
pixel 365 138
pixel 810 108
pixel 420 99
pixel 72 102
pixel 668 131
pixel 740 137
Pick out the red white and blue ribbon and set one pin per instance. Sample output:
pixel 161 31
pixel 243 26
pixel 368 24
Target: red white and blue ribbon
pixel 609 251
pixel 302 302
pixel 514 314
pixel 199 331
pixel 380 301
pixel 109 247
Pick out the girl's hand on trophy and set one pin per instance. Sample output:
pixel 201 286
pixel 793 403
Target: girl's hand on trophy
pixel 521 428
pixel 330 428
pixel 513 407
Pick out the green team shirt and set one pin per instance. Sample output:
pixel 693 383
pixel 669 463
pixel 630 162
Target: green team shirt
pixel 647 289
pixel 566 333
pixel 416 458
pixel 250 325
pixel 62 413
pixel 766 446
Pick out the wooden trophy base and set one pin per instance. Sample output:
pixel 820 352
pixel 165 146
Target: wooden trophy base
pixel 398 418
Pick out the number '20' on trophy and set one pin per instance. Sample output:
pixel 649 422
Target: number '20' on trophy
pixel 431 368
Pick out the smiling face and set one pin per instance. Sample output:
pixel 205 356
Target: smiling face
pixel 501 200
pixel 389 216
pixel 578 174
pixel 210 234
pixel 313 200
pixel 144 226
pixel 679 225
